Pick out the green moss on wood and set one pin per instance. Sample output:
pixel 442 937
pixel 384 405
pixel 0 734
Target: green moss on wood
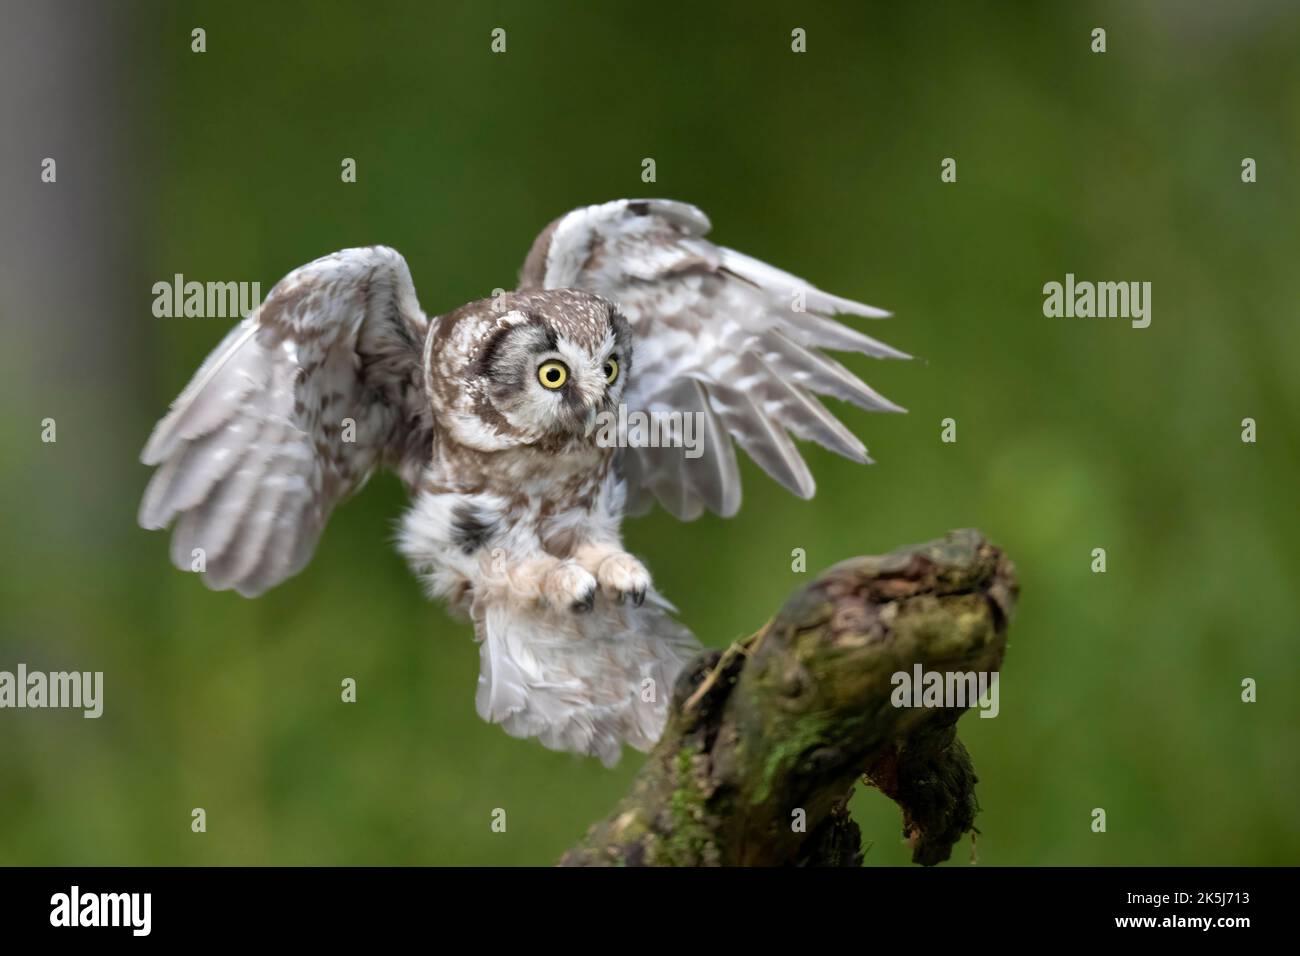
pixel 793 716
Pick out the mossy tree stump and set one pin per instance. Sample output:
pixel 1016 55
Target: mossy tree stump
pixel 792 717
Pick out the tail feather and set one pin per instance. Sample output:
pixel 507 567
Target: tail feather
pixel 582 683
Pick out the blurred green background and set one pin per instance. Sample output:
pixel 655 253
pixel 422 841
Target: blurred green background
pixel 1120 690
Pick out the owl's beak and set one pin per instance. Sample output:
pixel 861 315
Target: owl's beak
pixel 590 424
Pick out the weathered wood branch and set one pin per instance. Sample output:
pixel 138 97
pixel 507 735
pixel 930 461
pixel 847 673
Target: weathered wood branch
pixel 790 718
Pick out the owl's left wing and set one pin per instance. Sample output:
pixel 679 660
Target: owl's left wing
pixel 288 416
pixel 720 335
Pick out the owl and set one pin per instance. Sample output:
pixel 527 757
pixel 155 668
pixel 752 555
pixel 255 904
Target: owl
pixel 488 415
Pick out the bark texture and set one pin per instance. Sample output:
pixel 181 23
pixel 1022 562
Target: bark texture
pixel 792 717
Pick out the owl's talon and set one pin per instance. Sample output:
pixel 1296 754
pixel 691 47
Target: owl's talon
pixel 622 576
pixel 584 604
pixel 569 585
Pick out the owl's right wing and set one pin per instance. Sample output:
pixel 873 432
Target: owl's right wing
pixel 258 448
pixel 730 340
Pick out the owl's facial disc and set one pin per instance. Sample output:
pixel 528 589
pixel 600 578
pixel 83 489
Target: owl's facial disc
pixel 546 383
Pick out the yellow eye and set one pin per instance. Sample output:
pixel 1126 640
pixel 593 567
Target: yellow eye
pixel 611 369
pixel 552 374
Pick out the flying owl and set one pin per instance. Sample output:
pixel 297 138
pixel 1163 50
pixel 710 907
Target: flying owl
pixel 486 414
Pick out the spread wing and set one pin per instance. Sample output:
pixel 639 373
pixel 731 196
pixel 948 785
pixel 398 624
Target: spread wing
pixel 720 334
pixel 289 415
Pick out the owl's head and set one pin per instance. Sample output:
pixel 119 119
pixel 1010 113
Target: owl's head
pixel 529 367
